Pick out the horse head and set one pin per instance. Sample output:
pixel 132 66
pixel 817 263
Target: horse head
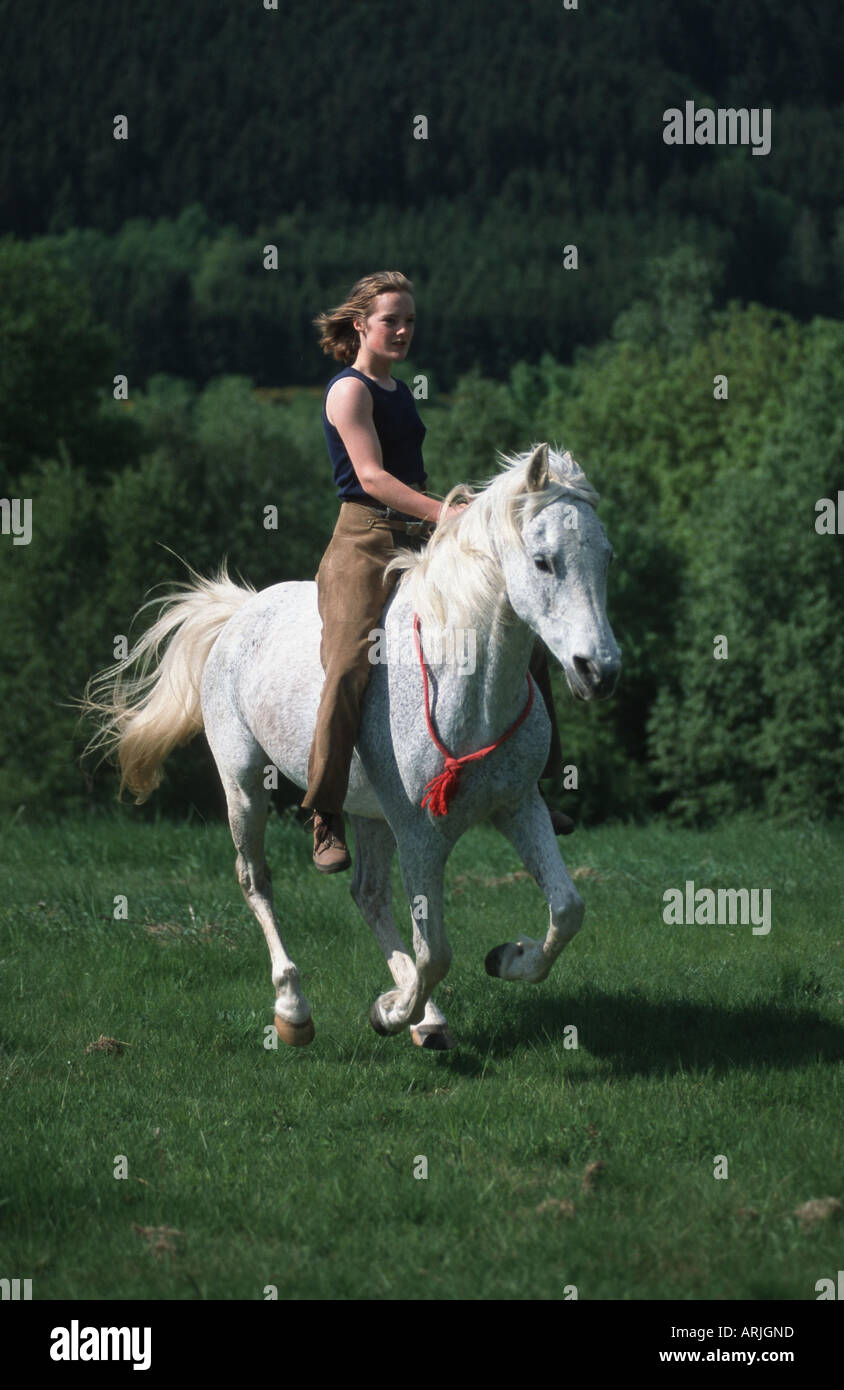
pixel 556 577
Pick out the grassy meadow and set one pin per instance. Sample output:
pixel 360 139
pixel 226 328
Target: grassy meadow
pixel 549 1167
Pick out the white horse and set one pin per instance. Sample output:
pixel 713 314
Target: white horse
pixel 527 556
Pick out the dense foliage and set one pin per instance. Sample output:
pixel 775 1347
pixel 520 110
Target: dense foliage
pixel 160 383
pixel 709 502
pixel 296 127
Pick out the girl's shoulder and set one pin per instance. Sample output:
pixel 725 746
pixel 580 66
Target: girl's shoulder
pixel 350 376
pixel 345 375
pixel 346 390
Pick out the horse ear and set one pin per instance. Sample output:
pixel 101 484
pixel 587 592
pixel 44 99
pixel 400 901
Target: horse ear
pixel 537 469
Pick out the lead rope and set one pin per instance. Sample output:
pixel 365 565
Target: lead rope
pixel 440 790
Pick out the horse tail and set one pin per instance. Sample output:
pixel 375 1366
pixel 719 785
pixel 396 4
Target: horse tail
pixel 142 718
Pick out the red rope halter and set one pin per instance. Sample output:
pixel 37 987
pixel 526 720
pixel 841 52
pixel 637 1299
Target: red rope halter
pixel 440 790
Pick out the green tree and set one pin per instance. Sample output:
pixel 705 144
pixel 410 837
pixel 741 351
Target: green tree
pixel 56 366
pixel 764 729
pixel 53 621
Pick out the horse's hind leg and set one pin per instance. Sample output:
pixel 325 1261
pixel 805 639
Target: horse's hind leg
pixel 248 804
pixel 371 889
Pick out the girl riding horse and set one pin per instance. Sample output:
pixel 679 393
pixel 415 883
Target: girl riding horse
pixel 374 437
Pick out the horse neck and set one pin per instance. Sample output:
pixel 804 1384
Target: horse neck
pixel 502 663
pixel 475 707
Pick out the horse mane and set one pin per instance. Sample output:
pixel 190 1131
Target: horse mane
pixel 456 581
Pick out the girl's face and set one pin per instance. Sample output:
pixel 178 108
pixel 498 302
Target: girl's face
pixel 388 328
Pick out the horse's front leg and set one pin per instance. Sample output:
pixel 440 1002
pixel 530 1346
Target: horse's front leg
pixel 528 827
pixel 375 846
pixel 422 875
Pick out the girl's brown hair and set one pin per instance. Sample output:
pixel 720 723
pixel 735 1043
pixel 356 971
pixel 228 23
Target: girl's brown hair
pixel 338 335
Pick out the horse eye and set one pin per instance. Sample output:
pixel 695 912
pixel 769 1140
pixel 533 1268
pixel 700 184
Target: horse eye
pixel 544 564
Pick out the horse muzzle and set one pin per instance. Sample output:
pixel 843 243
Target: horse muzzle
pixel 590 678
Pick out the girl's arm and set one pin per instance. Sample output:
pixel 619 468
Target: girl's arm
pixel 349 410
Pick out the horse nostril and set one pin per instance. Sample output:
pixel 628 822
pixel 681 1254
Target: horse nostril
pixel 600 677
pixel 583 667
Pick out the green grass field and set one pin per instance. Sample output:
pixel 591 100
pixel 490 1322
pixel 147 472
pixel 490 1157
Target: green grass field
pixel 295 1167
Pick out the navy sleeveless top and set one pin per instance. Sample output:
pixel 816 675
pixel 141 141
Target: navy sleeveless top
pixel 400 433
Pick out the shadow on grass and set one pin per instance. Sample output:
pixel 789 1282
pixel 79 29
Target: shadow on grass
pixel 641 1037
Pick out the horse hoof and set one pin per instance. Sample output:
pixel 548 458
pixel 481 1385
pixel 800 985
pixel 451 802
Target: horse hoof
pixel 375 1020
pixel 435 1039
pixel 492 963
pixel 296 1034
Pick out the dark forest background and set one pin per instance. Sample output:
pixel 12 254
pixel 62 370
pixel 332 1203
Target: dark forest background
pixel 294 128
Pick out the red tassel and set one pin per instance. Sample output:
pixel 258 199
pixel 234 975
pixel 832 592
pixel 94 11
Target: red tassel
pixel 441 789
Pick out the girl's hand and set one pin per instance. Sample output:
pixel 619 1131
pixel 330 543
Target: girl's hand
pixel 453 511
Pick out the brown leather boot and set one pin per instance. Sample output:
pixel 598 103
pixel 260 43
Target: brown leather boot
pixel 330 853
pixel 562 824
